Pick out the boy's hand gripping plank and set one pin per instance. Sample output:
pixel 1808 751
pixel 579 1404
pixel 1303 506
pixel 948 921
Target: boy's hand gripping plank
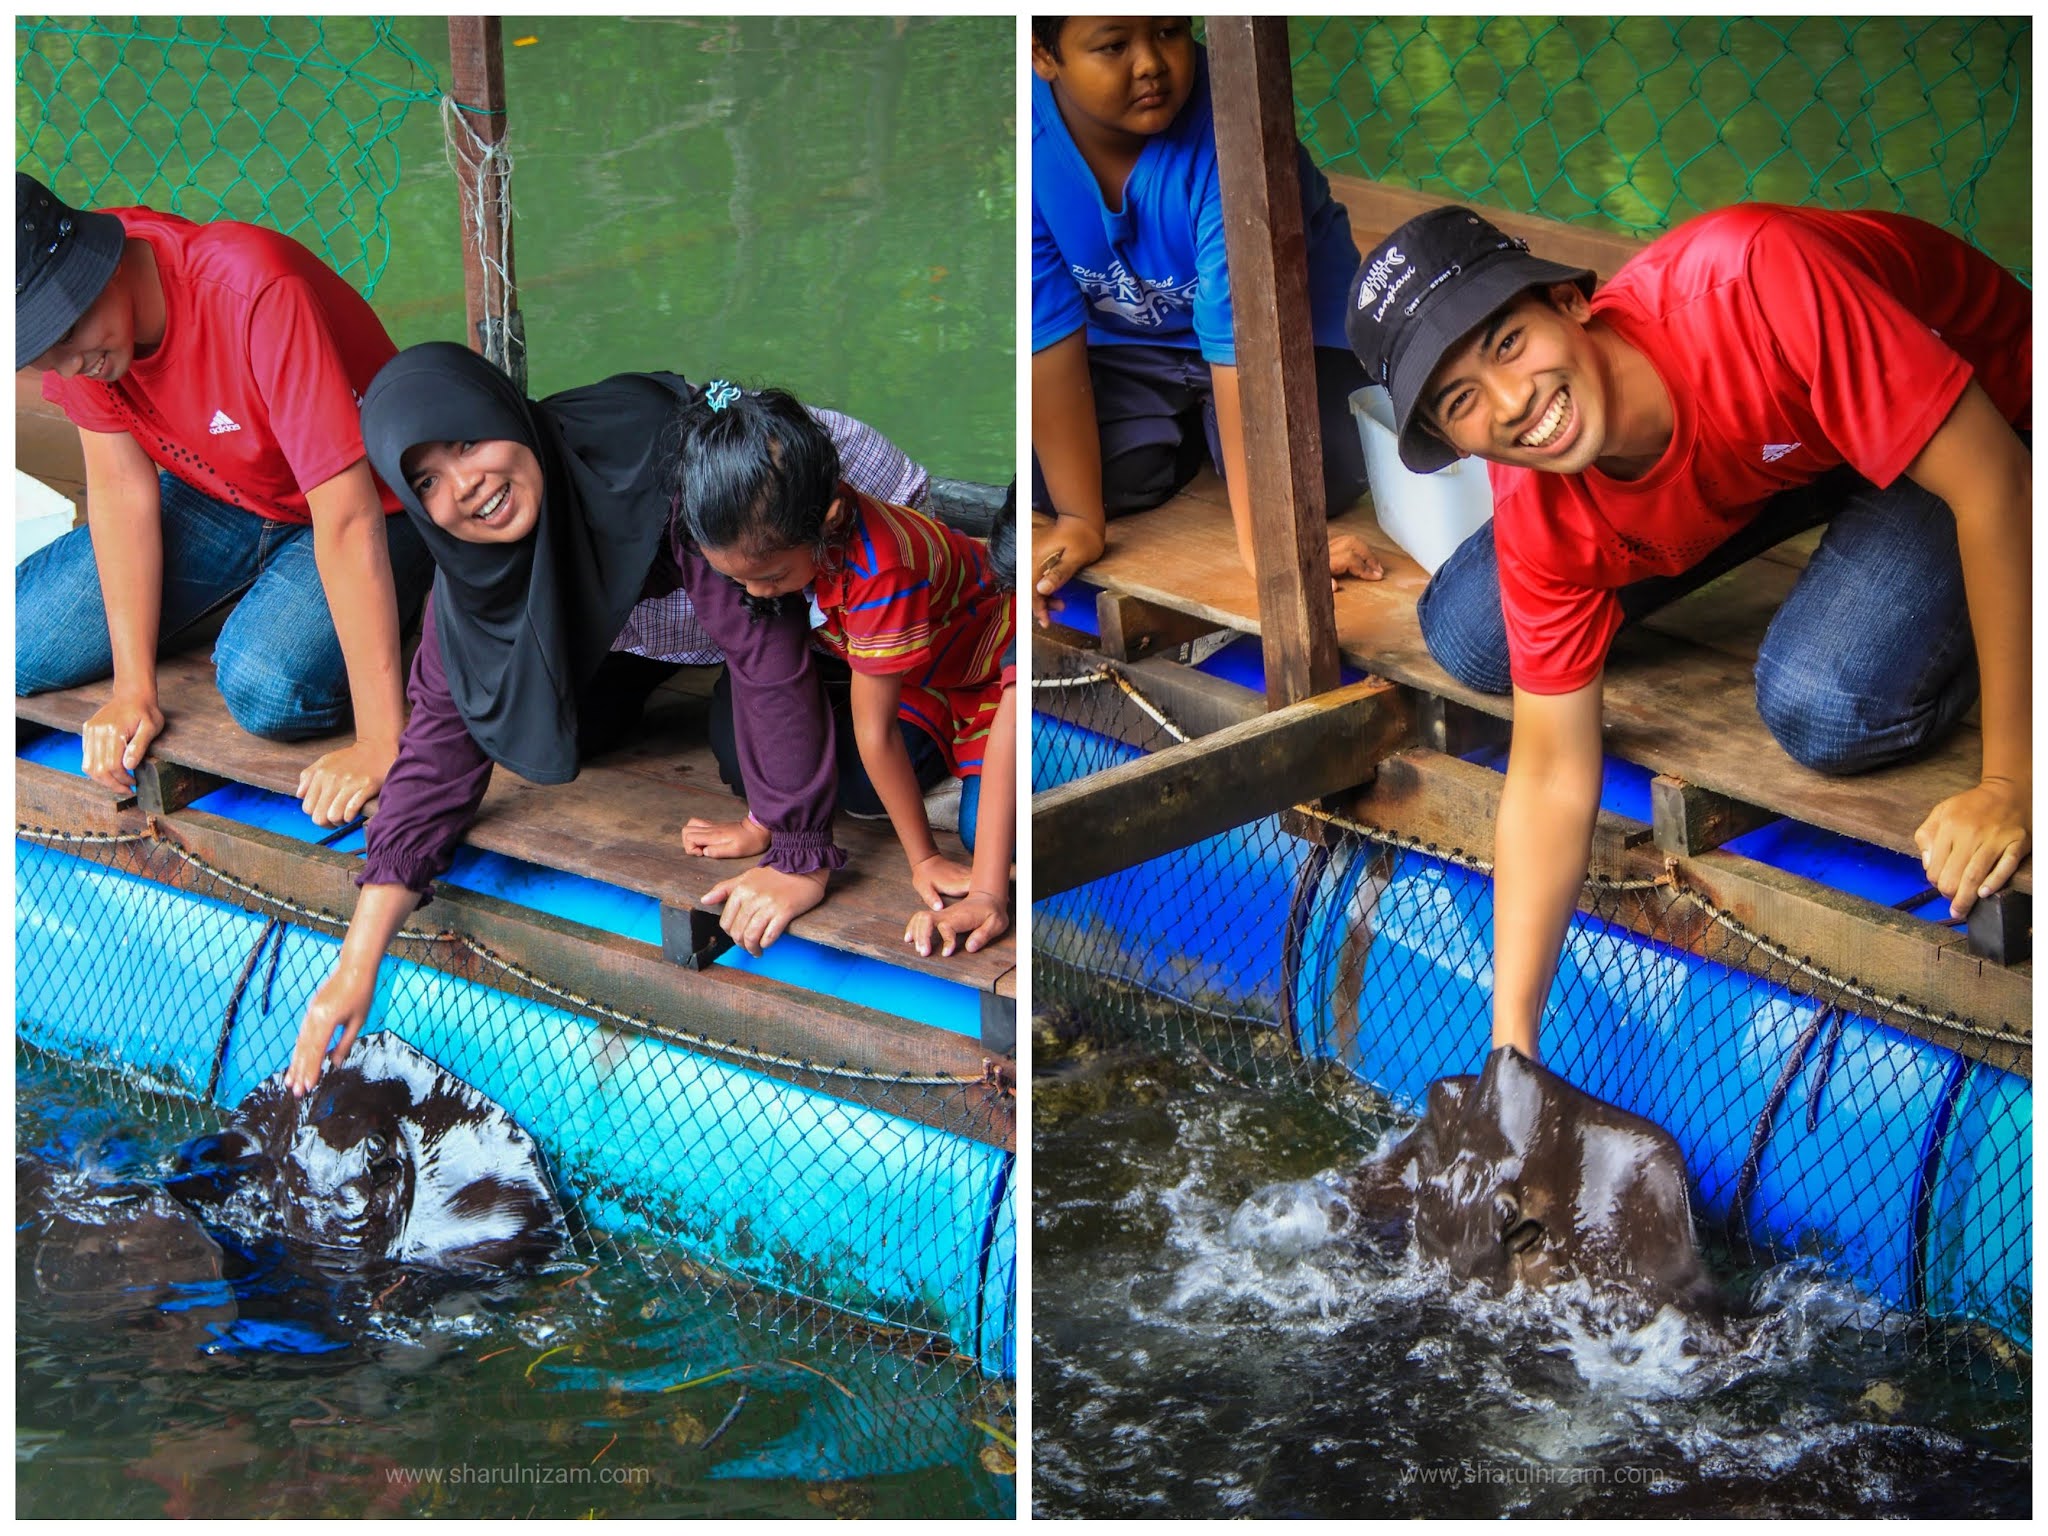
pixel 1971 843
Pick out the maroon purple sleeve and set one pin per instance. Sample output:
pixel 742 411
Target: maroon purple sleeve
pixel 782 729
pixel 435 787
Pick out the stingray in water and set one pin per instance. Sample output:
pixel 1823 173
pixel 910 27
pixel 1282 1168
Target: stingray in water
pixel 390 1182
pixel 1515 1177
pixel 389 1159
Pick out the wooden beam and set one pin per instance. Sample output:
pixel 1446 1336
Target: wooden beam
pixel 1448 726
pixel 1194 701
pixel 999 1024
pixel 1169 799
pixel 768 1017
pixel 1377 209
pixel 1429 798
pixel 1251 82
pixel 476 57
pixel 161 785
pixel 2002 928
pixel 1686 819
pixel 1133 629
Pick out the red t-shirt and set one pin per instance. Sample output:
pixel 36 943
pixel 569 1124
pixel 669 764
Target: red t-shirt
pixel 254 394
pixel 1791 340
pixel 915 597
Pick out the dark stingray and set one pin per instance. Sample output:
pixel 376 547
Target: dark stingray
pixel 1515 1177
pixel 97 1252
pixel 389 1160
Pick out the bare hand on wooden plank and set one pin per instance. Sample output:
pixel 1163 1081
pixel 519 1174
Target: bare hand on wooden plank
pixel 117 737
pixel 762 903
pixel 337 785
pixel 1971 843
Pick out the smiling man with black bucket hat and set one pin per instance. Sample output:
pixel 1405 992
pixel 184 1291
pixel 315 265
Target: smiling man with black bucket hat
pixel 1755 372
pixel 213 371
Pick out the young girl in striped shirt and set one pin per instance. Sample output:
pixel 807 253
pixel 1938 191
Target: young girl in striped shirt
pixel 908 603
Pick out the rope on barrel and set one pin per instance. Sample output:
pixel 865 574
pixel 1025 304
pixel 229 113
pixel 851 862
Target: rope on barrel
pixel 539 984
pixel 1670 880
pixel 1112 675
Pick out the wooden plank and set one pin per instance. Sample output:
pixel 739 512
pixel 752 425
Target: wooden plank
pixel 1429 798
pixel 1132 629
pixel 1377 209
pixel 1671 706
pixel 162 786
pixel 620 821
pixel 1251 81
pixel 1453 728
pixel 768 1017
pixel 1169 799
pixel 1195 702
pixel 2002 928
pixel 1686 819
pixel 476 61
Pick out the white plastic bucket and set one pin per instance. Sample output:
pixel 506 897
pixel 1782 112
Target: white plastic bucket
pixel 40 515
pixel 1427 515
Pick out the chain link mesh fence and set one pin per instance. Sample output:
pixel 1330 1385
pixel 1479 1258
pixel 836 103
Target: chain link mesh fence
pixel 1634 124
pixel 858 1216
pixel 1817 1118
pixel 289 122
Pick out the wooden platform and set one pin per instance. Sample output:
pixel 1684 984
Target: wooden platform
pixel 1680 699
pixel 619 822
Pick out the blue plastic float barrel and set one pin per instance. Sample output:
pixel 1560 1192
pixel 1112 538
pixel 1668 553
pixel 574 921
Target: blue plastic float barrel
pixel 877 1215
pixel 1161 918
pixel 1872 1147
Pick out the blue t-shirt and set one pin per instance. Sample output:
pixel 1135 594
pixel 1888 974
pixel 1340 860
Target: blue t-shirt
pixel 1154 272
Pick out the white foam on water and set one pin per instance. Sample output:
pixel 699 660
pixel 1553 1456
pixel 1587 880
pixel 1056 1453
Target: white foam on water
pixel 1271 1253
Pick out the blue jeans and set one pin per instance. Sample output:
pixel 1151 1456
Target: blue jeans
pixel 970 809
pixel 278 660
pixel 1869 661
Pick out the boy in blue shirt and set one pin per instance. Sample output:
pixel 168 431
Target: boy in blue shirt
pixel 1130 294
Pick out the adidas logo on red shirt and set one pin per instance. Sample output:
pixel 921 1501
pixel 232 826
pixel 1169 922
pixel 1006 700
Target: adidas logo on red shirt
pixel 1776 451
pixel 223 422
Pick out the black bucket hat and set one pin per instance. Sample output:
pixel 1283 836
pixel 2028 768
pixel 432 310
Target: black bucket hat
pixel 62 259
pixel 1420 292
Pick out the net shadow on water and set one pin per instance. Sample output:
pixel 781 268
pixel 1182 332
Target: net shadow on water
pixel 1209 1348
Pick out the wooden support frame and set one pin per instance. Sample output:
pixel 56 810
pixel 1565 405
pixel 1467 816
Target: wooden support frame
pixel 162 785
pixel 1453 728
pixel 2002 928
pixel 490 295
pixel 635 978
pixel 1112 820
pixel 1432 799
pixel 1252 85
pixel 1133 629
pixel 1197 703
pixel 1686 819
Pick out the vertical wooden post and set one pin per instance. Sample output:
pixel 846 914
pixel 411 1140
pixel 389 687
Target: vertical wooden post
pixel 1253 88
pixel 476 52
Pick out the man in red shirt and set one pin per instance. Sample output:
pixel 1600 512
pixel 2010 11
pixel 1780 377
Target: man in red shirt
pixel 1757 371
pixel 214 373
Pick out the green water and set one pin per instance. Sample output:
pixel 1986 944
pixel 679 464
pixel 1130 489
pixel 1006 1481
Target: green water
pixel 604 1389
pixel 821 203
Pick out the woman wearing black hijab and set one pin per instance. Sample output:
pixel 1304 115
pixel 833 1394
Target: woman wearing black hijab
pixel 548 521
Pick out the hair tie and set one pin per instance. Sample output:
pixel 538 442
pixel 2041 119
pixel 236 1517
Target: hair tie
pixel 721 394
